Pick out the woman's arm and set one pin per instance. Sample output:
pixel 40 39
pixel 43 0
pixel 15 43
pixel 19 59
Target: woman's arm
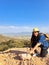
pixel 32 50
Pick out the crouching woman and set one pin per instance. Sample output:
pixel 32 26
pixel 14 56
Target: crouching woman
pixel 38 40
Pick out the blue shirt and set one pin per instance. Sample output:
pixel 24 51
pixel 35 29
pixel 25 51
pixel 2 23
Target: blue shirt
pixel 43 41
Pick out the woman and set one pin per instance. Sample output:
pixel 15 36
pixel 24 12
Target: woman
pixel 38 40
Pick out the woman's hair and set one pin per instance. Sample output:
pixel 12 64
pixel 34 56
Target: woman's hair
pixel 33 36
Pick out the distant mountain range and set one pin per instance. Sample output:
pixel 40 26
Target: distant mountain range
pixel 18 34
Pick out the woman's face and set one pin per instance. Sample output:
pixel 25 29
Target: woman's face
pixel 36 34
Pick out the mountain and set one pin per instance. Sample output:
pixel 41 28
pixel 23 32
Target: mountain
pixel 18 34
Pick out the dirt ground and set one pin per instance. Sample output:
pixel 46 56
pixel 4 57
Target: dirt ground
pixel 11 57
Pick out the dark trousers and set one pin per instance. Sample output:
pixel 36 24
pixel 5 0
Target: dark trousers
pixel 43 52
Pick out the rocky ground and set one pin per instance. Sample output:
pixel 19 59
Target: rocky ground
pixel 11 57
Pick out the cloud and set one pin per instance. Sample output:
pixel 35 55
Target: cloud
pixel 16 29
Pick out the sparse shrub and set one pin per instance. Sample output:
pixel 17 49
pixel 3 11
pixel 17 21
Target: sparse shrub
pixel 3 47
pixel 26 43
pixel 14 43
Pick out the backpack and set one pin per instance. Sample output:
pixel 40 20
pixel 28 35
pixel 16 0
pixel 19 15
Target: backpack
pixel 46 35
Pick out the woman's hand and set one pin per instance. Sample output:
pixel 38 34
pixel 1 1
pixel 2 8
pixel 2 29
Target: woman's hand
pixel 32 51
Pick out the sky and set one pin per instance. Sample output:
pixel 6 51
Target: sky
pixel 24 15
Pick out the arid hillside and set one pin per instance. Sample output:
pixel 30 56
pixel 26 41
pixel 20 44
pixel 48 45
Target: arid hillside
pixel 11 50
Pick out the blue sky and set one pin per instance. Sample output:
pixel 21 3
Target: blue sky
pixel 26 14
